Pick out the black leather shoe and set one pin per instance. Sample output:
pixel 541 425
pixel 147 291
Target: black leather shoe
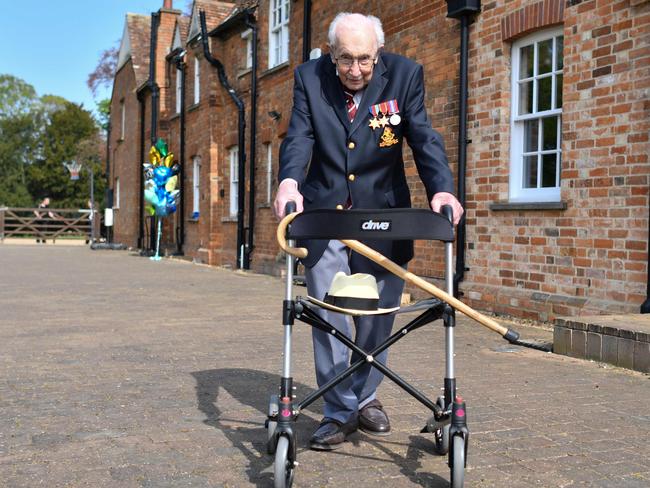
pixel 331 434
pixel 373 420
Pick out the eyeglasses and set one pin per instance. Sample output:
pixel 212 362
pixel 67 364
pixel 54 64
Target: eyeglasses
pixel 364 61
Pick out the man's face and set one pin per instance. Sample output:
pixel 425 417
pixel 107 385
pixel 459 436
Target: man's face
pixel 355 55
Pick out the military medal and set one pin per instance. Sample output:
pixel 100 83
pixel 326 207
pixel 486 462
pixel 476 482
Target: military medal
pixel 374 121
pixel 383 121
pixel 393 111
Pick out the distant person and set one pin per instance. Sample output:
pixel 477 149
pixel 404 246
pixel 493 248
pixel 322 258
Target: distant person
pixel 91 217
pixel 43 218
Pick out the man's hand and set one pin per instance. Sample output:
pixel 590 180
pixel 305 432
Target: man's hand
pixel 287 192
pixel 443 198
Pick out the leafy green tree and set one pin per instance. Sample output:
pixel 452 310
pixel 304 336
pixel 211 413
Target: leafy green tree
pixel 47 176
pixel 20 122
pixel 104 113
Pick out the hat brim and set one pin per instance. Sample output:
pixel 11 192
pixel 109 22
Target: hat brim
pixel 351 311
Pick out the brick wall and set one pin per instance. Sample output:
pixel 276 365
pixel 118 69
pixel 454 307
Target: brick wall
pixel 124 154
pixel 537 264
pixel 591 257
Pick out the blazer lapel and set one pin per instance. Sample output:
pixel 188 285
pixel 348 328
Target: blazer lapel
pixel 333 93
pixel 373 90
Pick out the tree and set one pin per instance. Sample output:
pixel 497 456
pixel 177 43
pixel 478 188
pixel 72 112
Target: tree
pixel 104 113
pixel 20 123
pixel 104 72
pixel 47 176
pixel 16 96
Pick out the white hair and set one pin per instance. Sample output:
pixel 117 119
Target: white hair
pixel 343 16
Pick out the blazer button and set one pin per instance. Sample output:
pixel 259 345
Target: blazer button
pixel 351 145
pixel 351 177
pixel 339 207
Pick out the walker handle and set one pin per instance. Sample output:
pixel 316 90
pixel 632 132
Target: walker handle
pixel 448 212
pixel 290 214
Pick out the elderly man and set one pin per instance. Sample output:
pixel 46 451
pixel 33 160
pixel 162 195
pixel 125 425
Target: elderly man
pixel 352 110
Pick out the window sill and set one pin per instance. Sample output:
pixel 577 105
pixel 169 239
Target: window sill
pixel 275 69
pixel 175 116
pixel 243 72
pixel 193 220
pixel 191 108
pixel 508 206
pixel 225 220
pixel 264 205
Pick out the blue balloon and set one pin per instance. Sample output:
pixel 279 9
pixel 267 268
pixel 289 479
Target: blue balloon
pixel 155 193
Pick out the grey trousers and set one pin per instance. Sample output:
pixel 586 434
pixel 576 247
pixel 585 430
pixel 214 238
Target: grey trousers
pixel 330 356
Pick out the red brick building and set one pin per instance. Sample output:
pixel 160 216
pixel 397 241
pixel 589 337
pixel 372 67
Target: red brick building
pixel 558 115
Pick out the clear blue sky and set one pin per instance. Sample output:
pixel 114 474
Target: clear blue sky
pixel 54 44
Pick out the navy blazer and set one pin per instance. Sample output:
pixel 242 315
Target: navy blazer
pixel 322 148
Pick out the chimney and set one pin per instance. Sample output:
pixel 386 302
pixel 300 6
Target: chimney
pixel 168 4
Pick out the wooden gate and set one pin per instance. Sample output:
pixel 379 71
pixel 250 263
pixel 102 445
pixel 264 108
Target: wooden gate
pixel 48 223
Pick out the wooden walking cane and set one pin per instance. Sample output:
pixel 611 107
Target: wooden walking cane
pixel 300 252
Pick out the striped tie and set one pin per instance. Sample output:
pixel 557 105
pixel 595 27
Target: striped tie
pixel 349 103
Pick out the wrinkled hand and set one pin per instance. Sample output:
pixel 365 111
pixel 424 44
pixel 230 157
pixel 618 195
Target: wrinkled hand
pixel 287 192
pixel 441 199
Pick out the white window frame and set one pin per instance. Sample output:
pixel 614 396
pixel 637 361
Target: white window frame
pixel 197 81
pixel 247 36
pixel 517 191
pixel 179 77
pixel 123 119
pixel 116 193
pixel 196 184
pixel 269 172
pixel 233 155
pixel 279 14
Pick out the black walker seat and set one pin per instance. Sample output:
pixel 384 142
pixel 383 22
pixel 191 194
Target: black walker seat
pixel 391 224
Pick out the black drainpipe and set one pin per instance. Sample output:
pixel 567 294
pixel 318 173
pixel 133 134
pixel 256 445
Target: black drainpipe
pixel 250 23
pixel 141 104
pixel 306 31
pixel 180 230
pixel 241 143
pixel 462 10
pixel 153 86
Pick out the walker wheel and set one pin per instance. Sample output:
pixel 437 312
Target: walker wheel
pixel 441 435
pixel 272 424
pixel 457 458
pixel 271 439
pixel 283 468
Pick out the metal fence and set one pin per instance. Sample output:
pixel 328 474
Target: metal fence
pixel 48 223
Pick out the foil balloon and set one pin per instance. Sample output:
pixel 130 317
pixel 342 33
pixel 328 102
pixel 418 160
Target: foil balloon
pixel 161 181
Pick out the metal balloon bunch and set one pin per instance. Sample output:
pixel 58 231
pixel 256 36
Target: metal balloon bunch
pixel 161 181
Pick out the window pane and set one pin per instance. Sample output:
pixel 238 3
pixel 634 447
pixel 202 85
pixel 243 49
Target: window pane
pixel 526 98
pixel 526 62
pixel 544 89
pixel 531 130
pixel 530 172
pixel 549 169
pixel 549 131
pixel 545 56
pixel 560 52
pixel 558 91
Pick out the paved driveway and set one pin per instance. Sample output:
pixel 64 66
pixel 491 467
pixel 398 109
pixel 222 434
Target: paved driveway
pixel 123 372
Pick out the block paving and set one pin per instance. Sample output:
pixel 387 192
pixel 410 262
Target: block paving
pixel 123 372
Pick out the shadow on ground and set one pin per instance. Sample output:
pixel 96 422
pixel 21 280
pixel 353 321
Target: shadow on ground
pixel 251 388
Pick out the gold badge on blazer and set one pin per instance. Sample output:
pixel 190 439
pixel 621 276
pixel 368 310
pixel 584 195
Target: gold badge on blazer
pixel 388 138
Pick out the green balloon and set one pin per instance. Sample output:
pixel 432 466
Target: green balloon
pixel 161 145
